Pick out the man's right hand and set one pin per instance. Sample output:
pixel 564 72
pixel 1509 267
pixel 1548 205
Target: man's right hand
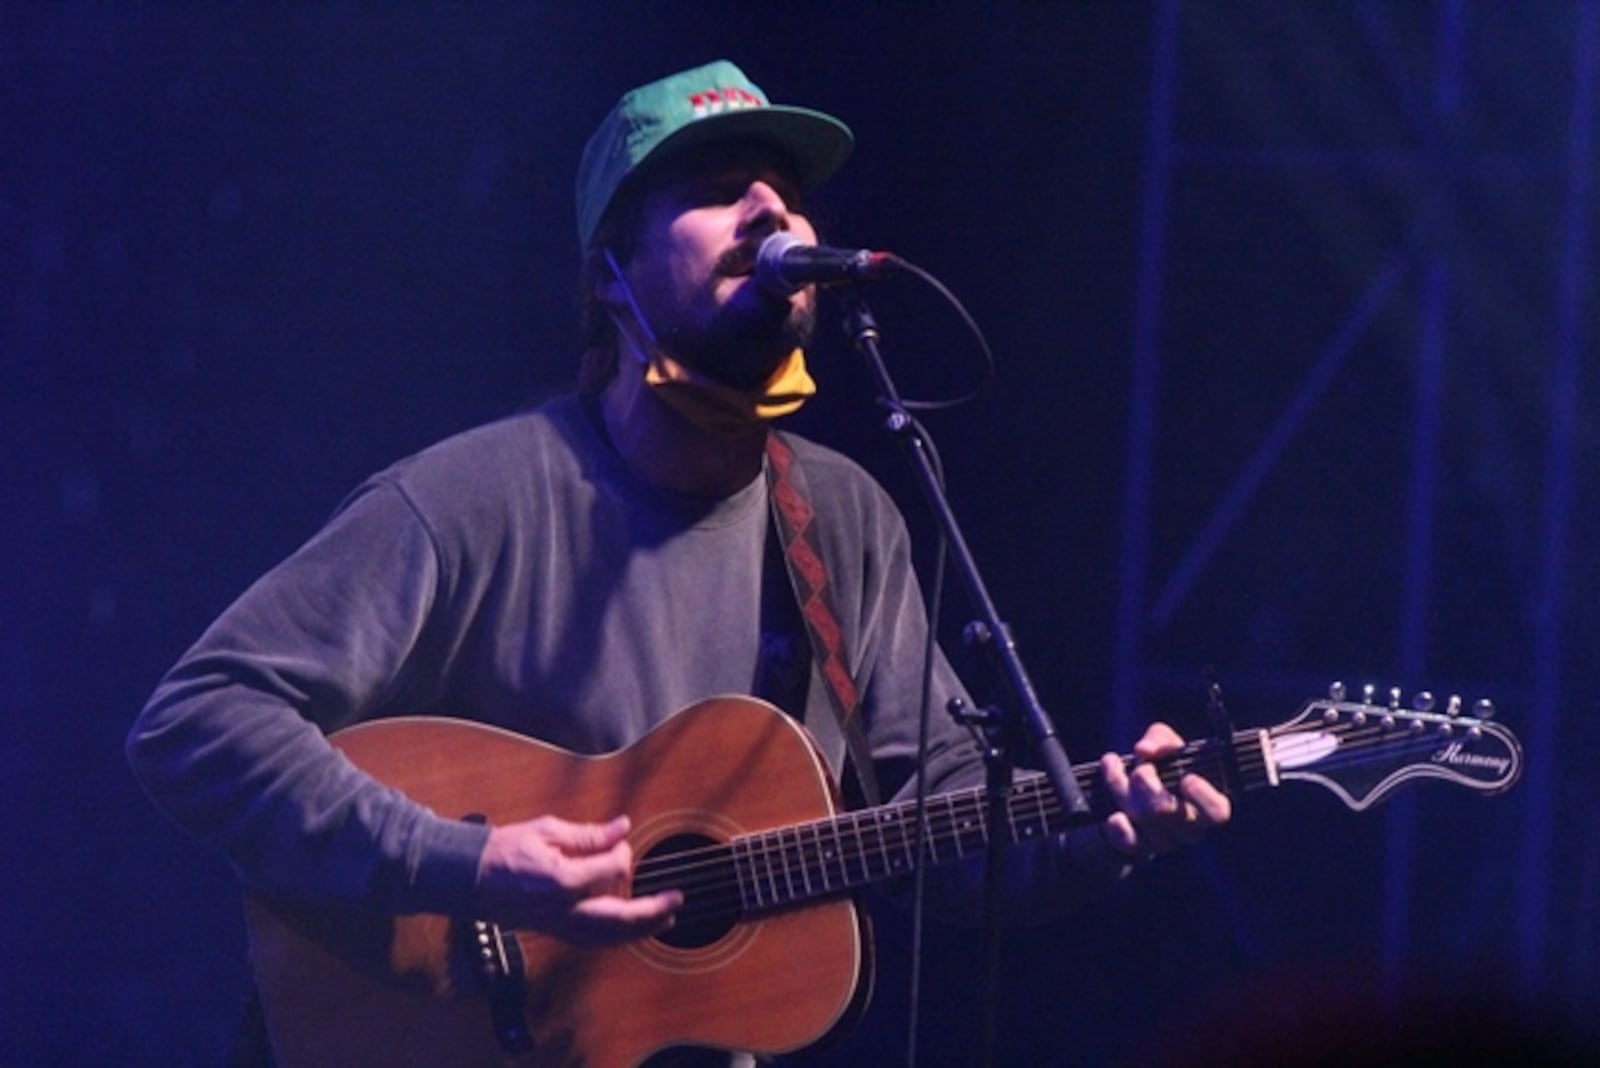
pixel 570 880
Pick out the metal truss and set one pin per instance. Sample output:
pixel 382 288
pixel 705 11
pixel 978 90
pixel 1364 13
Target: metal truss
pixel 1420 270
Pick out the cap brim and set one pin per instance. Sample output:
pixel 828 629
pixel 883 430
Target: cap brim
pixel 816 144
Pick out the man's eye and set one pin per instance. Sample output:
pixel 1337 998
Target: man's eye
pixel 708 193
pixel 713 193
pixel 793 200
pixel 724 192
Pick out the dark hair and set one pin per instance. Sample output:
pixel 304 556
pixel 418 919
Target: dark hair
pixel 618 231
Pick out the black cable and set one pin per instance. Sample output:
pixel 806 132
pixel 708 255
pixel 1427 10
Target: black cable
pixel 971 324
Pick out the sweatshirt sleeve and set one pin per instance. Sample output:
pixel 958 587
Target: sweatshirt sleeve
pixel 231 745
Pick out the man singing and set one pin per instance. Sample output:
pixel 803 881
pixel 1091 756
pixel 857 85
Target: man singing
pixel 579 571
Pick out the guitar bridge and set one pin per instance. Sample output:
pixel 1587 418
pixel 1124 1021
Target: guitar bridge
pixel 502 975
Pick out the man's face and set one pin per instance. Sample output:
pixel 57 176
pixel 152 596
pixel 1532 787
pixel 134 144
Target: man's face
pixel 700 225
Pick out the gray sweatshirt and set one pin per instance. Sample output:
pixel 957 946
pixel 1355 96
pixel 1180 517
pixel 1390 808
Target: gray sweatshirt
pixel 518 575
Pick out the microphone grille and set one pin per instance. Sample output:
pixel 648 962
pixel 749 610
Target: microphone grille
pixel 769 261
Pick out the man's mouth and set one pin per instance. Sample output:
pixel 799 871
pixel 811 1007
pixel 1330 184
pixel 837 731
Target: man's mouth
pixel 738 262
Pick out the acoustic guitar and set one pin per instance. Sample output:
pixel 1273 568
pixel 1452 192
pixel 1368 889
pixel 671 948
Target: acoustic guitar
pixel 732 804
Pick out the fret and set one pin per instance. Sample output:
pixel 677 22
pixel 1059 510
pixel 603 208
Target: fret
pixel 772 876
pixel 829 846
pixel 1036 820
pixel 883 846
pixel 955 825
pixel 1038 804
pixel 805 859
pixel 864 846
pixel 930 837
pixel 839 854
pixel 794 863
pixel 886 827
pixel 821 853
pixel 978 817
pixel 1251 747
pixel 762 850
pixel 788 870
pixel 749 885
pixel 860 850
pixel 908 836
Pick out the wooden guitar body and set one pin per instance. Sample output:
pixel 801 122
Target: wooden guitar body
pixel 341 988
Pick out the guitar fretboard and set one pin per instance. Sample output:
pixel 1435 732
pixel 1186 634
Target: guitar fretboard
pixel 823 858
pixel 1362 752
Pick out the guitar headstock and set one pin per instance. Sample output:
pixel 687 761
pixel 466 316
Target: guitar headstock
pixel 1363 749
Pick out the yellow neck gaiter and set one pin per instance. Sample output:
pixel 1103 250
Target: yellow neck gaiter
pixel 714 406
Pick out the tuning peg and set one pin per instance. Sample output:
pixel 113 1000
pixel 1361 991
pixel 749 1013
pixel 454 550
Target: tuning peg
pixel 1368 692
pixel 1424 701
pixel 1483 708
pixel 1453 706
pixel 1336 691
pixel 1394 698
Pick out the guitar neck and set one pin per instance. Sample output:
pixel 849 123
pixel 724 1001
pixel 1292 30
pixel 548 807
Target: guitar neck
pixel 1359 751
pixel 801 862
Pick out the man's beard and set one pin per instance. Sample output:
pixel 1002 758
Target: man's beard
pixel 744 341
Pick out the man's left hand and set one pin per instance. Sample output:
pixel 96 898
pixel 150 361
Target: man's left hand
pixel 1153 819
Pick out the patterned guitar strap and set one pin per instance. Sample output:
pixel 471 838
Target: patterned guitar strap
pixel 808 574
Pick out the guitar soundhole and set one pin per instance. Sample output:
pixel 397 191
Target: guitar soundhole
pixel 708 911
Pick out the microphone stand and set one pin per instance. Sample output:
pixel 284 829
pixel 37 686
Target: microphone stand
pixel 1000 727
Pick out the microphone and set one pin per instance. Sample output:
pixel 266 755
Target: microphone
pixel 784 264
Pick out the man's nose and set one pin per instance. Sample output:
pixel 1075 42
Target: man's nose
pixel 763 204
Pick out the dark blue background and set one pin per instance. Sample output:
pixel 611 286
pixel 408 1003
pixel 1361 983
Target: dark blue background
pixel 1292 305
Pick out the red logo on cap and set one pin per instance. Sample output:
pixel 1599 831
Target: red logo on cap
pixel 712 101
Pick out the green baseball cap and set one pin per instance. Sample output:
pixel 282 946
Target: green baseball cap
pixel 715 102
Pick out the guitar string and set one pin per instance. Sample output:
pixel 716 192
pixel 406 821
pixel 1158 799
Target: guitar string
pixel 722 896
pixel 710 878
pixel 892 816
pixel 780 843
pixel 786 852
